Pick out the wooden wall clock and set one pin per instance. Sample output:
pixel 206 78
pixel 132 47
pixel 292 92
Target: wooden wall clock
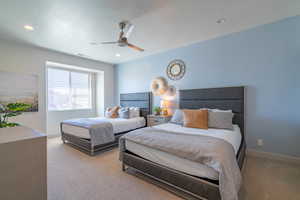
pixel 176 70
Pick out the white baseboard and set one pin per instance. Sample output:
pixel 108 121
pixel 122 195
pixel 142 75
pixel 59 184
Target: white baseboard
pixel 273 156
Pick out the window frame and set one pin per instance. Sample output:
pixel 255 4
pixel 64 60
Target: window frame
pixel 91 93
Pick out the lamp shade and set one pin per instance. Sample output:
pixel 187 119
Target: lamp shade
pixel 164 103
pixel 170 94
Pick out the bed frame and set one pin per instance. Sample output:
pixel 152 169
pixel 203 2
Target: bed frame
pixel 185 185
pixel 142 100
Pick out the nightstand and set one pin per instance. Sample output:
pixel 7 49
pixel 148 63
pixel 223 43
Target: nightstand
pixel 153 120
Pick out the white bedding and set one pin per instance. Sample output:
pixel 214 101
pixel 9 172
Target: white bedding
pixel 184 165
pixel 119 125
pixel 234 136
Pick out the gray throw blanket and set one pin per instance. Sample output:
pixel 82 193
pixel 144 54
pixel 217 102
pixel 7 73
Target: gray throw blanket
pixel 213 152
pixel 100 129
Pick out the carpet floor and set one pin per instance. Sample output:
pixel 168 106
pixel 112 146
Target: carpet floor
pixel 73 175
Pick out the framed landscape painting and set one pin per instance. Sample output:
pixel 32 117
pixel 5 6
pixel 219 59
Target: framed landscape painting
pixel 19 88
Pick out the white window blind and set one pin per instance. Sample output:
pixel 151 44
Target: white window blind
pixel 68 90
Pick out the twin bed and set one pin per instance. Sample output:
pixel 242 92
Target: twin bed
pixel 119 126
pixel 186 177
pixel 79 136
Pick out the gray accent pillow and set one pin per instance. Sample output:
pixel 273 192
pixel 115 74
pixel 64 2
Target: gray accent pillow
pixel 134 112
pixel 220 119
pixel 124 112
pixel 177 117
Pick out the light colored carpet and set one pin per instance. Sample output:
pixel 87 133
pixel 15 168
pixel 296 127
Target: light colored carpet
pixel 73 175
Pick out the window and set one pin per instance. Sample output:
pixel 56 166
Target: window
pixel 68 90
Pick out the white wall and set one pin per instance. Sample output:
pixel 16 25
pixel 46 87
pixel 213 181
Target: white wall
pixel 27 59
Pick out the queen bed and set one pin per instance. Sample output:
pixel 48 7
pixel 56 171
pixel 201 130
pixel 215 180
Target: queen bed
pixel 75 132
pixel 180 164
pixel 189 179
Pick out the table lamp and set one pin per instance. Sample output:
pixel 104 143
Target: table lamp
pixel 164 104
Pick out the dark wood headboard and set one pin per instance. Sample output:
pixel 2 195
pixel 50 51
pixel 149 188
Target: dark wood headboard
pixel 227 98
pixel 143 100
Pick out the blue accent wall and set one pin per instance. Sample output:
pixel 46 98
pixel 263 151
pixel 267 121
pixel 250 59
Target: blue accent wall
pixel 265 59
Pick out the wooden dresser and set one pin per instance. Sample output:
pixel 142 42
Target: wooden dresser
pixel 23 164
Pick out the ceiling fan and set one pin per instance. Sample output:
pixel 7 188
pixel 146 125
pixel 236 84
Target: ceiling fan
pixel 124 35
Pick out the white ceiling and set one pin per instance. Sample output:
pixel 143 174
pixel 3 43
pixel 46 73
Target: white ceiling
pixel 70 26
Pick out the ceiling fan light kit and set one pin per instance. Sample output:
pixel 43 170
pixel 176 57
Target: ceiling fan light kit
pixel 126 29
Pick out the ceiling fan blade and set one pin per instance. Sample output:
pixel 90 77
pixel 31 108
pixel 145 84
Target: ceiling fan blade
pixel 129 30
pixel 110 42
pixel 134 47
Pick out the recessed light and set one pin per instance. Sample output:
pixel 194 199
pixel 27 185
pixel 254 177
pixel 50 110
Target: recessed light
pixel 118 55
pixel 28 27
pixel 93 43
pixel 220 21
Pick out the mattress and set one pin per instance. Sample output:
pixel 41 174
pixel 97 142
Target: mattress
pixel 119 125
pixel 193 168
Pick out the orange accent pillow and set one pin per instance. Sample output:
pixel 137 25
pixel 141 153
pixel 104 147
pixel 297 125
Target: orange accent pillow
pixel 195 118
pixel 113 112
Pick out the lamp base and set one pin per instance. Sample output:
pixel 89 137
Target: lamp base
pixel 164 112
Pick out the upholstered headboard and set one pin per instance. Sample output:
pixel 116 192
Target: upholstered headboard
pixel 227 98
pixel 143 100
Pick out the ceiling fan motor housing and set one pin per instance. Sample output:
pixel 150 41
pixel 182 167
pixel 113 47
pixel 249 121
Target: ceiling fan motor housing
pixel 124 34
pixel 122 24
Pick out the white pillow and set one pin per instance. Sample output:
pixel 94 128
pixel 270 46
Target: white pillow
pixel 134 112
pixel 177 117
pixel 215 110
pixel 218 110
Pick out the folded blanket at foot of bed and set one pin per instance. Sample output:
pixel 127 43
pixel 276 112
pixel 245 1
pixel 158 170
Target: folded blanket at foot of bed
pixel 213 152
pixel 101 130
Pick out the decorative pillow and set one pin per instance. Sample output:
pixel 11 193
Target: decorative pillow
pixel 215 109
pixel 177 117
pixel 112 112
pixel 195 118
pixel 107 112
pixel 218 110
pixel 220 119
pixel 134 112
pixel 124 112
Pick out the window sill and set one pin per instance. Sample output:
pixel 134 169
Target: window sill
pixel 70 110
